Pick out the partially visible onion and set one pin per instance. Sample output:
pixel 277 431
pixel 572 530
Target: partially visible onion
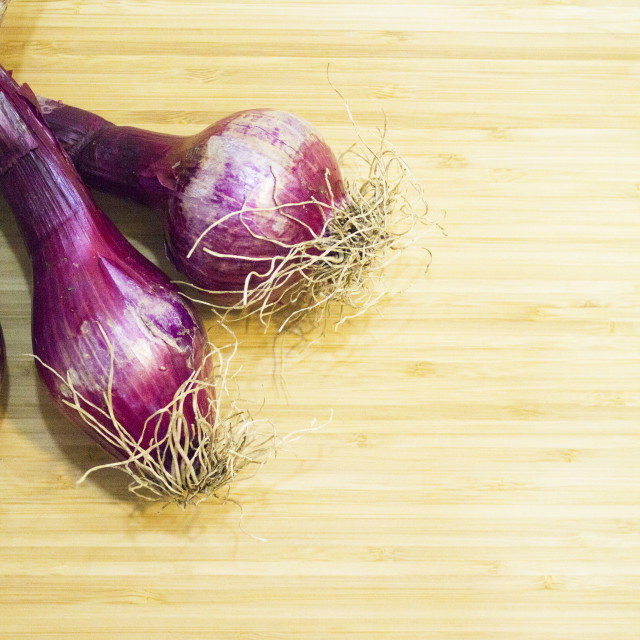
pixel 3 352
pixel 3 356
pixel 256 212
pixel 119 349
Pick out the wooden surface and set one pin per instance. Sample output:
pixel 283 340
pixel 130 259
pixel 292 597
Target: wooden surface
pixel 480 477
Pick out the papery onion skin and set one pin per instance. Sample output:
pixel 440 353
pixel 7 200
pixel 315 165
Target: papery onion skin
pixel 97 302
pixel 255 160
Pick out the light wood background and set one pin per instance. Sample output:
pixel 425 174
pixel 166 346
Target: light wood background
pixel 481 474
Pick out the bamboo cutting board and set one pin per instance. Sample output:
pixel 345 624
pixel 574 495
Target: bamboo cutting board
pixel 480 475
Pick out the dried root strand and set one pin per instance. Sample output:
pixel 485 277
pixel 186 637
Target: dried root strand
pixel 188 462
pixel 345 262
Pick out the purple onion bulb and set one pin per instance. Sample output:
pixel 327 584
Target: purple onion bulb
pixel 119 349
pixel 255 209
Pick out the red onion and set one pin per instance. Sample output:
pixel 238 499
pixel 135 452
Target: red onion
pixel 255 210
pixel 3 357
pixel 3 352
pixel 119 349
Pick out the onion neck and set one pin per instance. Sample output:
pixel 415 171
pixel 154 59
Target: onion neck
pixel 37 178
pixel 45 198
pixel 126 161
